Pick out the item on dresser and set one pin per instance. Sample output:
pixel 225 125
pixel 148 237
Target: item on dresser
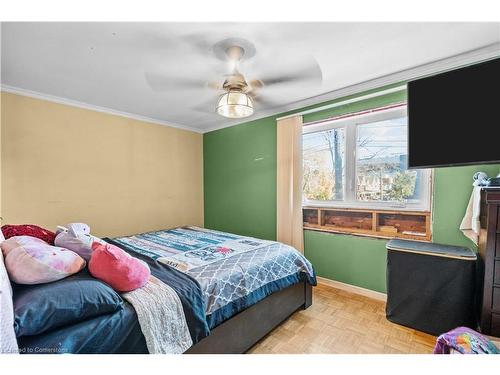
pixel 479 179
pixel 114 266
pixel 493 181
pixel 29 230
pixel 430 287
pixel 30 260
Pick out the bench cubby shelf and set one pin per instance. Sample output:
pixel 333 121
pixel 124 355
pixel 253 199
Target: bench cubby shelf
pixel 415 225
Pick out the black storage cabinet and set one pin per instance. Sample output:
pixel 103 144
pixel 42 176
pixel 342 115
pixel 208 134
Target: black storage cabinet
pixel 430 287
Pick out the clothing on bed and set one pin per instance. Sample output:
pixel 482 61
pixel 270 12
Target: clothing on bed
pixel 161 317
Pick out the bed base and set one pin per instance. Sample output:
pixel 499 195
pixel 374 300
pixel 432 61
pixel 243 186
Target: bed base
pixel 245 329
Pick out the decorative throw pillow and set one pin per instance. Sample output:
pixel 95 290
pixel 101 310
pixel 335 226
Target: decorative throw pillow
pixel 30 260
pixel 115 267
pixel 76 237
pixel 29 230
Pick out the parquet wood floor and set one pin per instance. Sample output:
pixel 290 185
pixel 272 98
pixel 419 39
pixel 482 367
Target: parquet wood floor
pixel 339 322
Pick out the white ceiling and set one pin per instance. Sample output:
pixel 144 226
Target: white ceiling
pixel 103 64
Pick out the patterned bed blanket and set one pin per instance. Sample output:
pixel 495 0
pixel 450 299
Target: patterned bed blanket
pixel 190 247
pixel 234 272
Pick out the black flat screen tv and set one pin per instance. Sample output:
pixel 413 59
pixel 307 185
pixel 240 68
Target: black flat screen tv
pixel 454 117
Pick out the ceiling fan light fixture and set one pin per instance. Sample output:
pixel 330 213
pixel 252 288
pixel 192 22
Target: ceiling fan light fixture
pixel 235 104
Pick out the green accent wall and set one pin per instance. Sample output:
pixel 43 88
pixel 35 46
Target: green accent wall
pixel 350 259
pixel 240 197
pixel 452 190
pixel 240 179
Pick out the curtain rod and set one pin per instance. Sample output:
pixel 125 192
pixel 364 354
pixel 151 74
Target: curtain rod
pixel 344 102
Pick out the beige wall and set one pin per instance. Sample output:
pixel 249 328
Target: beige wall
pixel 121 176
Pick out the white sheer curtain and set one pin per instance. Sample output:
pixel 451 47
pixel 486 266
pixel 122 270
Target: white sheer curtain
pixel 289 182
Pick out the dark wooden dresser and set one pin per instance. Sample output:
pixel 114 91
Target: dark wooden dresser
pixel 489 265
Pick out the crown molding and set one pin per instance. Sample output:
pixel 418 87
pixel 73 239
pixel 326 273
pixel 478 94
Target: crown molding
pixel 456 61
pixel 91 107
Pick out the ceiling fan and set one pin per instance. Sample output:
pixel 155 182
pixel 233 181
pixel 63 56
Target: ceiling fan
pixel 239 94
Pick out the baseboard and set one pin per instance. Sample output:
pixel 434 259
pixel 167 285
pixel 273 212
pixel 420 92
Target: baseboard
pixel 353 289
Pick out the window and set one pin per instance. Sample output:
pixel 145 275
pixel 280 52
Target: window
pixel 324 165
pixel 360 160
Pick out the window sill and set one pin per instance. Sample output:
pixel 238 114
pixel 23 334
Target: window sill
pixel 414 225
pixel 365 206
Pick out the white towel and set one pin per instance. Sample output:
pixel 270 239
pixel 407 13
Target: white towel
pixel 161 317
pixel 470 225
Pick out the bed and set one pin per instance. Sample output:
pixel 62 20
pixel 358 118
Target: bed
pixel 234 292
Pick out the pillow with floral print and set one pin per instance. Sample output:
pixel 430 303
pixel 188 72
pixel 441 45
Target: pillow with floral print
pixel 30 260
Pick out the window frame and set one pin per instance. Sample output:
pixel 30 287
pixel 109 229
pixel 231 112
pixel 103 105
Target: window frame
pixel 351 122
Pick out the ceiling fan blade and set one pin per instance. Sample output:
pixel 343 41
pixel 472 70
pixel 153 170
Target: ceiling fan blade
pixel 310 73
pixel 199 43
pixel 208 106
pixel 268 70
pixel 161 82
pixel 263 100
pixel 215 85
pixel 255 84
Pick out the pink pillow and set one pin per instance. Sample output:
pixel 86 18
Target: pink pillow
pixel 30 260
pixel 115 267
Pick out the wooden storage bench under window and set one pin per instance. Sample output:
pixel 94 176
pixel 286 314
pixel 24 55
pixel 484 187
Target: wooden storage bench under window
pixel 375 223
